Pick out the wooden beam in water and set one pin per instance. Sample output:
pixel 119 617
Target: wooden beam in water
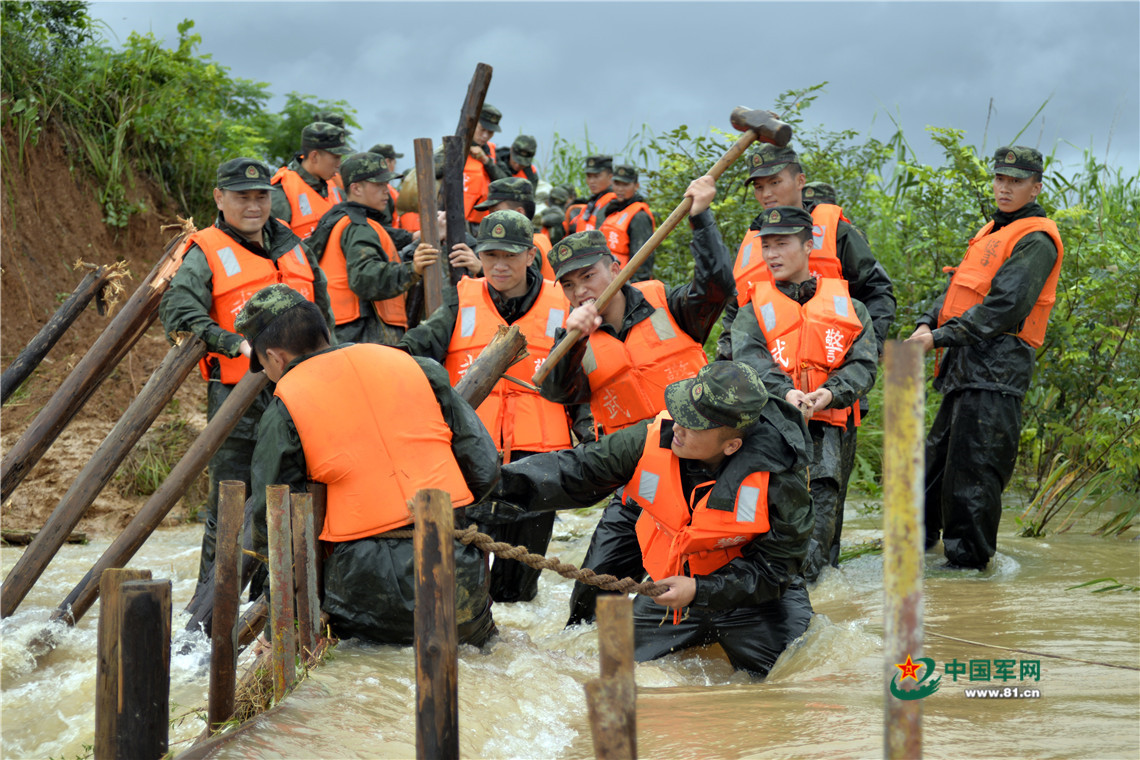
pixel 281 613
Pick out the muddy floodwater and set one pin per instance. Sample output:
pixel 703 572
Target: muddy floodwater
pixel 522 697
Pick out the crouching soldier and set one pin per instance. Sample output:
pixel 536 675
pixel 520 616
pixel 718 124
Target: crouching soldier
pixel 726 518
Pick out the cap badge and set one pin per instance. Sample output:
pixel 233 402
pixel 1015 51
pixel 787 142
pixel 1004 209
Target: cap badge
pixel 698 391
pixel 757 159
pixel 499 231
pixel 563 251
pixel 1010 158
pixel 251 171
pixel 774 217
pixel 809 193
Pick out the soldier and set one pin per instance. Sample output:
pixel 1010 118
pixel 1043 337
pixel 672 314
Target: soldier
pixel 645 339
pixel 813 346
pixel 818 192
pixel 599 178
pixel 389 154
pixel 330 421
pixel 302 192
pixel 517 194
pixel 367 281
pixel 990 322
pixel 519 161
pixel 520 421
pixel 481 168
pixel 720 482
pixel 243 251
pixel 628 222
pixel 554 216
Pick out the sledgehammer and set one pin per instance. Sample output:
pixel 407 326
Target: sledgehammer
pixel 756 125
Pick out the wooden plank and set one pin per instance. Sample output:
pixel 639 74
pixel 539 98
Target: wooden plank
pixel 305 573
pixel 107 663
pixel 455 150
pixel 281 614
pixel 25 537
pixel 144 685
pixel 429 224
pixel 227 593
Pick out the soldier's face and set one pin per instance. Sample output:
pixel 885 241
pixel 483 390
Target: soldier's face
pixel 586 284
pixel 246 211
pixel 781 189
pixel 323 164
pixel 625 190
pixel 599 181
pixel 506 270
pixel 786 257
pixel 1011 193
pixel 371 194
pixel 482 135
pixel 708 446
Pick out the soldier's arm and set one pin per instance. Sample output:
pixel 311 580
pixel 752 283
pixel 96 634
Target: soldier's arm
pixel 868 280
pixel 370 274
pixel 278 459
pixel 279 207
pixel 432 337
pixel 567 383
pixel 751 347
pixel 640 230
pixel 854 378
pixel 724 342
pixel 185 306
pixel 698 305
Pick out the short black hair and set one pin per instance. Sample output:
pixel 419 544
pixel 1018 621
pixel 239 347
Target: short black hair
pixel 300 330
pixel 526 208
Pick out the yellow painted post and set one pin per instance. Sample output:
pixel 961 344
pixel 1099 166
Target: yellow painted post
pixel 903 399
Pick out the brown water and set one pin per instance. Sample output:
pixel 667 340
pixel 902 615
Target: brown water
pixel 523 696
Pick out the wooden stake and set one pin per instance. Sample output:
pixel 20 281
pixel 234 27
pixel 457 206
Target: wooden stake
pixel 437 638
pixel 144 684
pixel 305 573
pixel 505 349
pixel 99 470
pixel 107 674
pixel 429 224
pixel 455 150
pixel 227 593
pixel 612 699
pixel 606 699
pixel 160 503
pixel 320 501
pixel 281 614
pixel 902 540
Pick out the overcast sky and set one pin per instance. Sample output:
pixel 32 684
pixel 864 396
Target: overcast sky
pixel 613 66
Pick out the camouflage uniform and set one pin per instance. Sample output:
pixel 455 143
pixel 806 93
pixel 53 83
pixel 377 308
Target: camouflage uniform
pixel 316 136
pixel 756 604
pixel 522 151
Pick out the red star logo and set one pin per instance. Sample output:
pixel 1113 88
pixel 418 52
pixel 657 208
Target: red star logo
pixel 909 669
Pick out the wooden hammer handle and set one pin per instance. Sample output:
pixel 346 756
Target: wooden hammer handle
pixel 639 258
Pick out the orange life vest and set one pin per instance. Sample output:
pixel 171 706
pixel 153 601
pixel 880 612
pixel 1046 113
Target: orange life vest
pixel 673 532
pixel 305 203
pixel 573 211
pixel 628 378
pixel 588 218
pixel 345 303
pixel 409 221
pixel 342 403
pixel 236 274
pixel 476 184
pixel 823 261
pixel 517 417
pixel 521 173
pixel 810 341
pixel 987 252
pixel 616 229
pixel 543 244
pixel 338 182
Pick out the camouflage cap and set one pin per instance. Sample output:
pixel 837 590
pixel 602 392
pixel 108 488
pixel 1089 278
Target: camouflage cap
pixel 559 196
pixel 818 192
pixel 243 174
pixel 490 117
pixel 505 231
pixel 552 216
pixel 262 308
pixel 785 220
pixel 320 135
pixel 625 173
pixel 769 159
pixel 385 150
pixel 723 394
pixel 599 163
pixel 365 167
pixel 508 189
pixel 577 251
pixel 330 117
pixel 1018 161
pixel 524 146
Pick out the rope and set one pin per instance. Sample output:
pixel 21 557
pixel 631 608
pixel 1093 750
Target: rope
pixel 471 535
pixel 1029 651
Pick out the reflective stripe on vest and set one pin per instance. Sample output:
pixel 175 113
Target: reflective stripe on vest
pixel 616 229
pixel 810 341
pixel 588 219
pixel 628 378
pixel 342 403
pixel 305 203
pixel 987 252
pixel 517 418
pixel 823 261
pixel 673 533
pixel 236 274
pixel 345 303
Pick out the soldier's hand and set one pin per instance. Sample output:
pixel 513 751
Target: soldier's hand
pixel 923 337
pixel 702 190
pixel 799 400
pixel 819 399
pixel 424 257
pixel 463 256
pixel 585 319
pixel 246 349
pixel 682 591
pixel 479 154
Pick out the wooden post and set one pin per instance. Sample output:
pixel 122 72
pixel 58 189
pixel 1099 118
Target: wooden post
pixel 455 150
pixel 135 318
pixel 305 573
pixel 160 503
pixel 437 638
pixel 24 364
pixel 320 502
pixel 144 683
pixel 612 699
pixel 281 589
pixel 429 224
pixel 227 592
pixel 99 470
pixel 903 396
pixel 107 664
pixel 252 622
pixel 506 348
